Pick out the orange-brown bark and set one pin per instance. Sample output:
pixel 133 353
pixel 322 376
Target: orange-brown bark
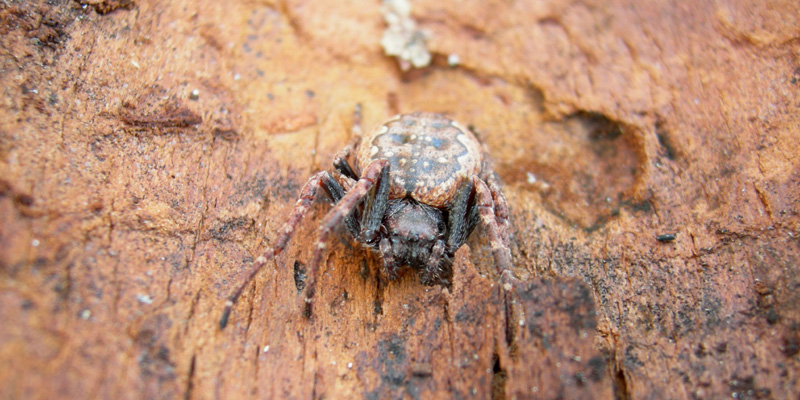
pixel 149 150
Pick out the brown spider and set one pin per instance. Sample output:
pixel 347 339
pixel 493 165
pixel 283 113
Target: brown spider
pixel 418 186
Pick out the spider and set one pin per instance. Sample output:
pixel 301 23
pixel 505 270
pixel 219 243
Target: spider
pixel 417 187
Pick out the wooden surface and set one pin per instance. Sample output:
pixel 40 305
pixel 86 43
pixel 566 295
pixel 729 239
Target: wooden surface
pixel 129 205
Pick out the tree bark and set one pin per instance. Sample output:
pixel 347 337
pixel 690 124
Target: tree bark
pixel 150 150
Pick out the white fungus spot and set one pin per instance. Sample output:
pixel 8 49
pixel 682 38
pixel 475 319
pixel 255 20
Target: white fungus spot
pixel 144 299
pixel 266 348
pixel 402 37
pixel 453 60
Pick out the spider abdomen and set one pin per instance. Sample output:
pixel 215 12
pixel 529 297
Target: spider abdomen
pixel 430 156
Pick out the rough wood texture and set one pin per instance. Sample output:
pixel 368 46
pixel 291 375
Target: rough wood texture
pixel 129 205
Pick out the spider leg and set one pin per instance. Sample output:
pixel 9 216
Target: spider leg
pixel 356 129
pixel 320 179
pixel 498 236
pixel 390 264
pixel 432 273
pixel 344 207
pixel 347 173
pixel 340 161
pixel 500 203
pixel 375 207
pixel 458 221
pixel 342 165
pixel 335 191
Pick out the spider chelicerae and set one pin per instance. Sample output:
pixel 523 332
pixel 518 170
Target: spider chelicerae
pixel 416 188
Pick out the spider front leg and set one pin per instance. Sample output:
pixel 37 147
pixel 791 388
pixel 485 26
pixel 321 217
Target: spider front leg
pixel 390 265
pixel 307 194
pixel 371 176
pixel 432 273
pixel 458 220
pixel 374 208
pixel 498 235
pixel 337 191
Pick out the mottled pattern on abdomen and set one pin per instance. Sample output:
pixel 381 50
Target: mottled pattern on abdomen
pixel 429 155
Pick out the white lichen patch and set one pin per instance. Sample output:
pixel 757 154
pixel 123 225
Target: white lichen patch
pixel 402 38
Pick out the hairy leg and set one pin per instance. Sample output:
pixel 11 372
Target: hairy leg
pixel 341 163
pixel 345 206
pixel 374 208
pixel 390 265
pixel 500 203
pixel 356 128
pixel 458 224
pixel 498 236
pixel 432 273
pixel 336 191
pixel 307 194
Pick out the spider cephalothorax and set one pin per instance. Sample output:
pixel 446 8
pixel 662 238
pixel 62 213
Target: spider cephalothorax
pixel 413 189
